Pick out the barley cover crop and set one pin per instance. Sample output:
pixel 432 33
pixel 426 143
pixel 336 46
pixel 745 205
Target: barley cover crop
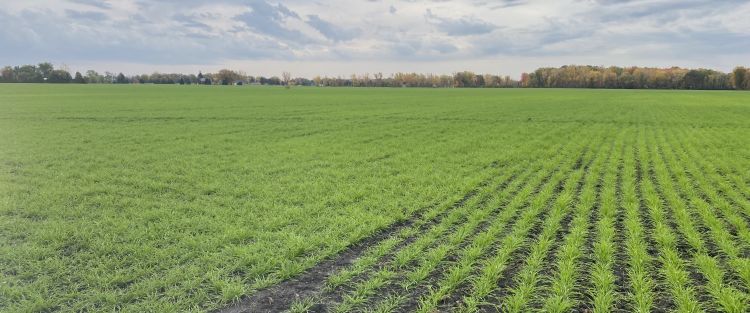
pixel 186 198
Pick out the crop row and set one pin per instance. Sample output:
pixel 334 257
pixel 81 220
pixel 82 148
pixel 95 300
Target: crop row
pixel 628 220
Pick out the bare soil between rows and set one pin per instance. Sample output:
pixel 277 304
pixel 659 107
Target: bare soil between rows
pixel 280 297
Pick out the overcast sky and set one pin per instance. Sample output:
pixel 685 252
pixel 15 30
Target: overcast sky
pixel 339 37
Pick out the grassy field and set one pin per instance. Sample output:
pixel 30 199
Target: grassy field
pixel 186 198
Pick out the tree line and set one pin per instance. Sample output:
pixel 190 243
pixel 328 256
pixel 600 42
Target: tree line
pixel 636 78
pixel 569 76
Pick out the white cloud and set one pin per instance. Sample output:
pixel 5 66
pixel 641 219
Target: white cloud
pixel 436 36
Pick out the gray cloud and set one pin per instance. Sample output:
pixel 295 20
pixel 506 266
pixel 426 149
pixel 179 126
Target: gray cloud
pixel 507 4
pixel 269 20
pixel 190 21
pixel 86 15
pixel 102 4
pixel 707 33
pixel 461 26
pixel 333 32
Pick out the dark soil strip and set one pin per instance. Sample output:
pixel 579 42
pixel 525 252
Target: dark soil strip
pixel 621 256
pixel 281 296
pixel 412 301
pixel 328 298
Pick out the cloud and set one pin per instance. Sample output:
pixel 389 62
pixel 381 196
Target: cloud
pixel 508 3
pixel 462 26
pixel 102 4
pixel 376 33
pixel 270 20
pixel 331 31
pixel 190 21
pixel 85 15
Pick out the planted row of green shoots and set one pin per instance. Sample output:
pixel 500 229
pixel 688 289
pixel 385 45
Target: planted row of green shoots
pixel 719 191
pixel 528 279
pixel 676 187
pixel 728 298
pixel 733 246
pixel 560 294
pixel 642 294
pixel 474 249
pixel 373 255
pixel 485 282
pixel 406 254
pixel 671 266
pixel 731 165
pixel 681 195
pixel 428 259
pixel 603 289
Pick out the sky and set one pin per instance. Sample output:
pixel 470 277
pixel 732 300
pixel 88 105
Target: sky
pixel 342 37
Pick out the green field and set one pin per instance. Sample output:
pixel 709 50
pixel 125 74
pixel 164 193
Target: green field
pixel 189 198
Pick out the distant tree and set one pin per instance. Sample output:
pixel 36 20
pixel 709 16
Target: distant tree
pixel 227 77
pixel 163 79
pixel 7 75
pixel 286 77
pixel 79 78
pixel 121 79
pixel 695 79
pixel 28 74
pixel 567 76
pixel 739 76
pixel 45 69
pixel 478 81
pixel 464 79
pixel 59 77
pixel 92 77
pixel 109 77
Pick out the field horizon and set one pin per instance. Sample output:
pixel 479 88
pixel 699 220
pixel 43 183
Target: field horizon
pixel 218 198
